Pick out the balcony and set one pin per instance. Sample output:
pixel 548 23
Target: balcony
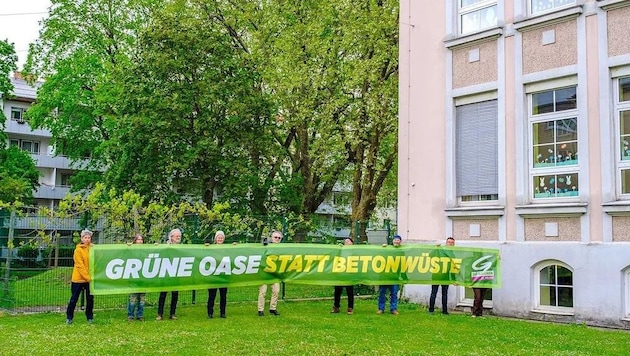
pixel 22 127
pixel 48 192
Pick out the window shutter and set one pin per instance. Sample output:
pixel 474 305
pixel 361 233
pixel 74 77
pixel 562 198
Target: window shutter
pixel 476 148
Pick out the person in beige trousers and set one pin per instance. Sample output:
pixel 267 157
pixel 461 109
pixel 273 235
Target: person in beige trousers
pixel 276 237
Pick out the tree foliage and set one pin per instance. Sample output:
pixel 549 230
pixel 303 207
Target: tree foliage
pixel 268 105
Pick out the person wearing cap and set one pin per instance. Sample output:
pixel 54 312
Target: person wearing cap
pixel 339 289
pixel 219 238
pixel 276 237
pixel 136 299
pixel 81 278
pixel 393 289
pixel 434 289
pixel 174 237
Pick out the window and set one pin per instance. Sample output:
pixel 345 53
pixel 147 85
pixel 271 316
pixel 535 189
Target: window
pixel 476 145
pixel 17 114
pixel 65 179
pixel 626 289
pixel 476 15
pixel 622 113
pixel 554 288
pixel 554 143
pixel 542 6
pixel 26 145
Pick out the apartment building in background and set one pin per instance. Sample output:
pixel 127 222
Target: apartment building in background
pixel 55 169
pixel 514 134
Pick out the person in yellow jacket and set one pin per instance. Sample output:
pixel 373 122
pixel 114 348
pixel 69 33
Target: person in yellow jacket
pixel 81 279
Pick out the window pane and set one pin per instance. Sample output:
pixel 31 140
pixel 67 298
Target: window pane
pixel 543 132
pixel 542 103
pixel 565 153
pixel 624 89
pixel 547 275
pixel 565 276
pixel 566 99
pixel 466 3
pixel 544 156
pixel 565 297
pixel 625 181
pixel 548 295
pixel 16 113
pixel 556 185
pixel 488 17
pixel 26 146
pixel 541 5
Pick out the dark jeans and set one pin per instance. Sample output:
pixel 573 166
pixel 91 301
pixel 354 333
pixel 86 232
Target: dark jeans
pixel 74 298
pixel 162 301
pixel 349 292
pixel 212 295
pixel 434 290
pixel 480 294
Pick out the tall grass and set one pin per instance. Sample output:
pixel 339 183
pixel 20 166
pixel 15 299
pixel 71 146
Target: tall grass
pixel 303 328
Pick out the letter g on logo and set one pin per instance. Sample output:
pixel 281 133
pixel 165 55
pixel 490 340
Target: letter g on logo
pixel 482 263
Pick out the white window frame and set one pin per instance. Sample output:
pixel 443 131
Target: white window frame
pixel 20 144
pixel 481 5
pixel 555 5
pixel 626 293
pixel 622 164
pixel 555 170
pixel 19 110
pixel 536 289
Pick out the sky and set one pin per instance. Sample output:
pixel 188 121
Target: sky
pixel 19 23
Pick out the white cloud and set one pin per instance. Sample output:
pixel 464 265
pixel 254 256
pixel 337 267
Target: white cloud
pixel 19 23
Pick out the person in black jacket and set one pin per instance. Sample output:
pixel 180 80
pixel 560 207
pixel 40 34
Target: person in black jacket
pixel 339 290
pixel 219 238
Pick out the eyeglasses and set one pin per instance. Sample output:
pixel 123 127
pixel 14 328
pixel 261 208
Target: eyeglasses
pixel 277 237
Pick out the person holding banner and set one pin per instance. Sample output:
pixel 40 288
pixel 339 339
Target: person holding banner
pixel 434 288
pixel 480 295
pixel 393 289
pixel 276 237
pixel 339 290
pixel 174 237
pixel 136 298
pixel 81 279
pixel 219 238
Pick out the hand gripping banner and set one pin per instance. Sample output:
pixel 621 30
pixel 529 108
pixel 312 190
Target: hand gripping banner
pixel 151 268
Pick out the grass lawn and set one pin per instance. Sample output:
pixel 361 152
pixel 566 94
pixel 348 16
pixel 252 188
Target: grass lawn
pixel 304 328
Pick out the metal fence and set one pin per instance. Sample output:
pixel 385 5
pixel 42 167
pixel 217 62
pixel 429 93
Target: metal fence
pixel 30 290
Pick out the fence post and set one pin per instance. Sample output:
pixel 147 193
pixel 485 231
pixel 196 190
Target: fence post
pixel 7 269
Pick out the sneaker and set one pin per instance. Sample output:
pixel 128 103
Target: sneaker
pixel 68 321
pixel 379 312
pixel 158 318
pixel 350 311
pixel 261 313
pixel 130 319
pixel 474 316
pixel 445 313
pixel 209 316
pixel 172 317
pixel 223 316
pixel 334 310
pixel 395 312
pixel 431 312
pixel 90 321
pixel 274 312
pixel 140 318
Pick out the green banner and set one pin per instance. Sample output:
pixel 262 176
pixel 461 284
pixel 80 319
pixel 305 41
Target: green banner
pixel 150 268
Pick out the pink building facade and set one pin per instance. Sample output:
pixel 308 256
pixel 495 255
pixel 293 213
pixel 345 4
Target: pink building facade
pixel 515 134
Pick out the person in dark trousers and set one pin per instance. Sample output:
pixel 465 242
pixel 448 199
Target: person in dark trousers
pixel 392 288
pixel 339 290
pixel 174 237
pixel 480 295
pixel 434 289
pixel 81 279
pixel 136 299
pixel 219 238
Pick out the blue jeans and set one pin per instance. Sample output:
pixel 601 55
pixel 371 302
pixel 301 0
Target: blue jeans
pixel 393 303
pixel 74 298
pixel 136 299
